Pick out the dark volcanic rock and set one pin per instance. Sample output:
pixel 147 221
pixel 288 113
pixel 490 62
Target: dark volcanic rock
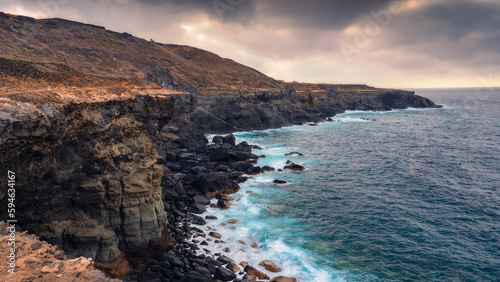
pixel 241 166
pixel 224 274
pixel 255 170
pixel 210 184
pixel 94 184
pixel 294 166
pixel 196 208
pixel 223 204
pixel 229 139
pixel 195 276
pixel 294 153
pixel 268 168
pixel 198 199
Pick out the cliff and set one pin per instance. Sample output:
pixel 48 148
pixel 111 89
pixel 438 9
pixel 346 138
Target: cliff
pixel 87 176
pixel 105 133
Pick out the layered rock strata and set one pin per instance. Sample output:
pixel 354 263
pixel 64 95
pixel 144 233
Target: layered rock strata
pixel 87 176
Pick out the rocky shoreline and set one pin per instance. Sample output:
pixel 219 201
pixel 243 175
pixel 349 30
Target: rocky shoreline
pixel 196 172
pixel 124 181
pixel 218 172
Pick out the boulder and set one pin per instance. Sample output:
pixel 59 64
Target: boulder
pixel 217 139
pixel 233 267
pixel 204 271
pixel 255 170
pixel 224 259
pixel 170 195
pixel 210 184
pixel 270 265
pixel 224 274
pixel 241 166
pixel 255 272
pixel 224 197
pixel 198 220
pixel 215 235
pixel 195 276
pixel 268 168
pixel 198 199
pixel 219 152
pixel 173 260
pixel 249 277
pixel 229 139
pixel 223 204
pixel 277 181
pixel 294 166
pixel 196 208
pixel 244 147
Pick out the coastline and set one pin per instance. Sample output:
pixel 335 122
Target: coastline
pixel 215 237
pixel 153 164
pixel 171 130
pixel 129 159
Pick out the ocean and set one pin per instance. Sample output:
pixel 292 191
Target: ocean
pixel 403 195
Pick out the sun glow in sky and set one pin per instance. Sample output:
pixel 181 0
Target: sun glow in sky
pixel 384 43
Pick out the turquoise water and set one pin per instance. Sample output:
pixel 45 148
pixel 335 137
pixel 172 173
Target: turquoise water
pixel 406 195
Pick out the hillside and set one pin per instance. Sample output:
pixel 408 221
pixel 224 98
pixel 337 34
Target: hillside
pixel 104 56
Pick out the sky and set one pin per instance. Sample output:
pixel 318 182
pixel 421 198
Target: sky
pixel 383 43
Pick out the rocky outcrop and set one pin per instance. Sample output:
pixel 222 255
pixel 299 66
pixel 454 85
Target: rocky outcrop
pixel 255 272
pixel 270 265
pixel 40 261
pixel 88 178
pixel 163 78
pixel 274 109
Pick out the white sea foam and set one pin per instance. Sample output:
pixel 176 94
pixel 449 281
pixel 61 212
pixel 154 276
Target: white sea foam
pixel 254 224
pixel 350 112
pixel 351 119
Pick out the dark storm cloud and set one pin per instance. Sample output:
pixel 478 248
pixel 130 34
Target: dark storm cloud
pixel 241 11
pixel 464 33
pixel 322 14
pixel 461 19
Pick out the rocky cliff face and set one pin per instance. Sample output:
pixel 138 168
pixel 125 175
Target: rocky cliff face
pixel 87 176
pixel 273 109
